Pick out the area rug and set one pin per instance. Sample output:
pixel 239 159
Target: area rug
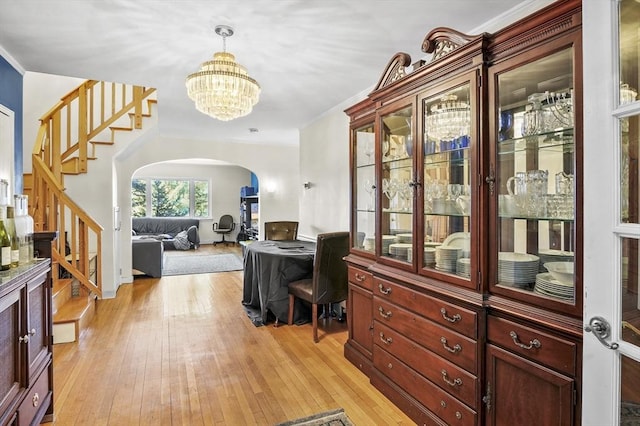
pixel 328 418
pixel 185 264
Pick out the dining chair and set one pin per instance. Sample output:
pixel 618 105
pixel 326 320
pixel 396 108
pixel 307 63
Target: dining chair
pixel 328 283
pixel 281 230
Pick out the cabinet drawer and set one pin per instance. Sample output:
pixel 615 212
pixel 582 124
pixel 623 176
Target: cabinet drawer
pixel 361 278
pixel 532 343
pixel 443 405
pixel 453 346
pixel 37 399
pixel 444 313
pixel 446 375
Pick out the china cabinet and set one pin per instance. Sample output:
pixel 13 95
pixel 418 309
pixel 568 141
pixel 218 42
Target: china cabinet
pixel 465 285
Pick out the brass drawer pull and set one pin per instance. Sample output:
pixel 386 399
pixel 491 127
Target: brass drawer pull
pixel 454 382
pixel 384 290
pixel 360 277
pixel 454 318
pixel 35 400
pixel 453 350
pixel 385 340
pixel 535 343
pixel 383 314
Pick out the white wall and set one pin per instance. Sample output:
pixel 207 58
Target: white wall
pixel 41 93
pixel 324 162
pixel 225 182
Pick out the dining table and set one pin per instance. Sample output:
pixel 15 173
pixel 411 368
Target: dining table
pixel 269 266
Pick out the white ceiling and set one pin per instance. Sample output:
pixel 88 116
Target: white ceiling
pixel 308 56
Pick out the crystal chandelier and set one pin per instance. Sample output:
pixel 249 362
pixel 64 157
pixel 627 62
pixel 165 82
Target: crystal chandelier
pixel 222 88
pixel 448 119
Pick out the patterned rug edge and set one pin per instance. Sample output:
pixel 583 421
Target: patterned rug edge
pixel 329 418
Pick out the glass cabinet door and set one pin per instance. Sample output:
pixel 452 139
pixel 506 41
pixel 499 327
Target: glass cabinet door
pixel 535 180
pixel 364 188
pixel 397 185
pixel 447 119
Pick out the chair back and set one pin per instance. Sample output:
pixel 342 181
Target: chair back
pixel 329 283
pixel 225 222
pixel 281 230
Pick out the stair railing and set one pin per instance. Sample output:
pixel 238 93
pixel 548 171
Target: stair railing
pixel 61 147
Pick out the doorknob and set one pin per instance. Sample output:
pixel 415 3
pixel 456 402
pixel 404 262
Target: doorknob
pixel 600 328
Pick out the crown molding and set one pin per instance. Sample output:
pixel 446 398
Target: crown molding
pixel 11 60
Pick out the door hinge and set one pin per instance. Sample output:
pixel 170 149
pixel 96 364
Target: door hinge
pixel 575 397
pixel 479 81
pixel 479 277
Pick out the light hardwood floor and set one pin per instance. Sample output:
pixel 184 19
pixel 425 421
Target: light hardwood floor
pixel 180 350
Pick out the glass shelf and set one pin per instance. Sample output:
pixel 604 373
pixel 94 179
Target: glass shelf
pixel 364 166
pixel 440 158
pixel 560 141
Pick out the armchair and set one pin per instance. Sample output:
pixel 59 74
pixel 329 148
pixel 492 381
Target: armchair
pixel 224 226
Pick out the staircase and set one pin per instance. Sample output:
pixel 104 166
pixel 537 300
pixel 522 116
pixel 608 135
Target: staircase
pixel 91 115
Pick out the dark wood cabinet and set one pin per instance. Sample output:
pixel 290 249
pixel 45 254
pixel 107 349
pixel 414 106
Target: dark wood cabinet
pixel 26 340
pixel 25 330
pixel 520 391
pixel 465 297
pixel 359 348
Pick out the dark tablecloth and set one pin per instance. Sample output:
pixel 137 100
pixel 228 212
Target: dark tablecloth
pixel 269 266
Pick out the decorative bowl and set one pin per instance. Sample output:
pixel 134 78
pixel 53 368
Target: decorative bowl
pixel 561 271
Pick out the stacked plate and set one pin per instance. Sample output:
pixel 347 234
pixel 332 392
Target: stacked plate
pixel 401 250
pixel 463 267
pixel 387 240
pixel 399 231
pixel 461 240
pixel 446 258
pixel 370 244
pixel 549 286
pixel 405 238
pixel 429 256
pixel 551 255
pixel 517 269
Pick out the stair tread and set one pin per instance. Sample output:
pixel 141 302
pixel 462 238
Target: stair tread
pixel 102 142
pixel 61 284
pixel 73 310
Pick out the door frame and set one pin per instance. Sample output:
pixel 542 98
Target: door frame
pixel 603 229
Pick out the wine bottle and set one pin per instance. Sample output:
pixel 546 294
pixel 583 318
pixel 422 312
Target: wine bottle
pixel 5 243
pixel 10 227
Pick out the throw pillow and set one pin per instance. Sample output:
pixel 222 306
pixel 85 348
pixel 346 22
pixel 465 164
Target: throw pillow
pixel 181 241
pixel 192 234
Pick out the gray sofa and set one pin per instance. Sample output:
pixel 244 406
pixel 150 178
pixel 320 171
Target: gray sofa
pixel 151 236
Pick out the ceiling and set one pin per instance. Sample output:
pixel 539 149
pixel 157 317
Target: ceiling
pixel 308 56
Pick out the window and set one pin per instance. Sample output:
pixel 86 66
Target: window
pixel 156 197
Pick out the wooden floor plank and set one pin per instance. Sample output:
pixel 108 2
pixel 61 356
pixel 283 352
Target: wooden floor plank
pixel 180 350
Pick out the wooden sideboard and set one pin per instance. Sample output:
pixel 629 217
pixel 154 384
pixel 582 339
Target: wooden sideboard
pixel 26 340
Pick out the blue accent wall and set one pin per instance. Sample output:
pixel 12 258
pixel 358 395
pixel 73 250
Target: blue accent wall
pixel 11 97
pixel 254 182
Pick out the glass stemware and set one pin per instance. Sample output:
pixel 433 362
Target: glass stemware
pixel 390 189
pixel 369 187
